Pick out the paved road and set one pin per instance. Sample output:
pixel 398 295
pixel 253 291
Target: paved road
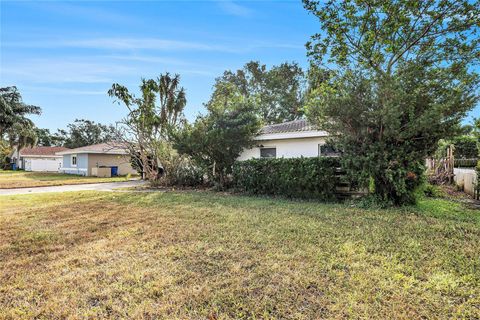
pixel 108 186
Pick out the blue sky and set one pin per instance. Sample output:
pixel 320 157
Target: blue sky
pixel 64 56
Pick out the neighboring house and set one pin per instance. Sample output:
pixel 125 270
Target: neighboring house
pixel 291 139
pixel 38 159
pixel 83 160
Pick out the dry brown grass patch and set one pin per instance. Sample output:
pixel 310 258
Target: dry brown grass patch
pixel 23 179
pixel 204 256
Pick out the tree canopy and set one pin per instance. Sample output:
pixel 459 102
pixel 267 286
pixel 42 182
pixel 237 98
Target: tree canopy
pixel 15 125
pixel 80 133
pixel 215 140
pixel 276 93
pixel 396 76
pixel 378 35
pixel 45 138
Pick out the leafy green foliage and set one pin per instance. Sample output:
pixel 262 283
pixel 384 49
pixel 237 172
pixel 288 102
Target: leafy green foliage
pixel 377 35
pixel 465 163
pixel 22 135
pixel 432 191
pixel 5 152
pixel 388 139
pixel 13 110
pixel 277 94
pixel 402 81
pixel 216 140
pixel 80 133
pixel 313 178
pixel 15 126
pixel 465 147
pixel 45 138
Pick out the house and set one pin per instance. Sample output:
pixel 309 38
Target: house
pixel 291 139
pixel 39 159
pixel 87 160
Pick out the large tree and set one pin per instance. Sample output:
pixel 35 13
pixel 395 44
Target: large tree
pixel 401 76
pixel 147 129
pixel 47 139
pixel 80 133
pixel 216 139
pixel 276 93
pixel 15 126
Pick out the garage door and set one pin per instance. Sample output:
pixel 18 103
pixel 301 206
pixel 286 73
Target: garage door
pixel 45 165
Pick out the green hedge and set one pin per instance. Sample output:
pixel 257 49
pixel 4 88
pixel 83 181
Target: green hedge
pixel 314 178
pixel 465 163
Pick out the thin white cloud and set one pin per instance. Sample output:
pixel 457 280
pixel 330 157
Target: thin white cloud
pixel 95 70
pixel 109 43
pixel 158 44
pixel 235 9
pixel 58 71
pixel 66 91
pixel 150 59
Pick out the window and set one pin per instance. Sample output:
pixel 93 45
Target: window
pixel 327 150
pixel 268 152
pixel 74 160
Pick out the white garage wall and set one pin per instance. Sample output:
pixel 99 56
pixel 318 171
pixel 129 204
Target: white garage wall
pixel 287 148
pixel 46 164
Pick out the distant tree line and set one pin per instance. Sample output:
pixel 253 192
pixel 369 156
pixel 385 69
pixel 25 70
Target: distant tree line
pixel 78 134
pixel 17 130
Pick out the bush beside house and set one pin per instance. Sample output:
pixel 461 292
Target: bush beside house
pixel 290 177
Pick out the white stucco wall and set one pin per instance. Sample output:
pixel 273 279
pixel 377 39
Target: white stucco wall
pixel 466 178
pixel 287 148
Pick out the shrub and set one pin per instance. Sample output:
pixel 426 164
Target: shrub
pixel 465 163
pixel 465 147
pixel 5 151
pixel 295 178
pixel 185 173
pixel 431 191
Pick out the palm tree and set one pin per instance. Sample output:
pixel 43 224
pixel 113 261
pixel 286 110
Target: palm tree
pixel 14 124
pixel 21 136
pixel 16 130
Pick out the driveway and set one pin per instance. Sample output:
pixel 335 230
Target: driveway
pixel 108 186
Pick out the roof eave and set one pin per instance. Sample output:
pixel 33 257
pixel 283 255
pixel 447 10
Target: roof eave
pixel 39 155
pixel 291 135
pixel 91 151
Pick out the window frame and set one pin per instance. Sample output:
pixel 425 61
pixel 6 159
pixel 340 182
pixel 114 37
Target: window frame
pixel 72 164
pixel 264 148
pixel 334 153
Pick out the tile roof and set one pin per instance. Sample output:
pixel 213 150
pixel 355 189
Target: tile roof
pixel 41 151
pixel 290 126
pixel 108 147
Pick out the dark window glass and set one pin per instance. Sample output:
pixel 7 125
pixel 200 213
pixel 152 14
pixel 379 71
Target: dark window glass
pixel 326 150
pixel 268 152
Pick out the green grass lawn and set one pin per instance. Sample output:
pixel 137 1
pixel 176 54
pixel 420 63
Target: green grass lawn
pixel 24 179
pixel 200 255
